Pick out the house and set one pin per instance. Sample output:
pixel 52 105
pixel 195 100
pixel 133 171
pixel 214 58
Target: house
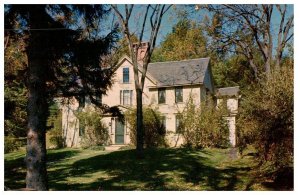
pixel 231 96
pixel 168 85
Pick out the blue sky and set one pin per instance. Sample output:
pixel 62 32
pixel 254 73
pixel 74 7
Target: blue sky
pixel 170 19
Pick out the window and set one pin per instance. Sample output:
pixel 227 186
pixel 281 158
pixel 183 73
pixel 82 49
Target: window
pixel 179 125
pixel 126 97
pixel 178 94
pixel 161 95
pixel 125 75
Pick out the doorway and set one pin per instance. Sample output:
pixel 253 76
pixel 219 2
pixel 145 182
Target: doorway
pixel 119 132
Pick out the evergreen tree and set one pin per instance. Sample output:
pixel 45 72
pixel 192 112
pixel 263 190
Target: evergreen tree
pixel 63 48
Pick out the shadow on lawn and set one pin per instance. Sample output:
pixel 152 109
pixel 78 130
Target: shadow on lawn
pixel 15 170
pixel 152 173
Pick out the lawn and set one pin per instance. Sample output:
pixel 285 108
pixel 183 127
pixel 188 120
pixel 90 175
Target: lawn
pixel 161 169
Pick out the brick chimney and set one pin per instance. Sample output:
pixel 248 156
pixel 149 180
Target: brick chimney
pixel 141 51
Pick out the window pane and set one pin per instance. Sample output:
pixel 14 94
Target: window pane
pixel 126 97
pixel 125 75
pixel 161 96
pixel 179 124
pixel 178 94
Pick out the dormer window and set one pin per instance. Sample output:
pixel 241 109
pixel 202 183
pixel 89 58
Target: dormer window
pixel 125 75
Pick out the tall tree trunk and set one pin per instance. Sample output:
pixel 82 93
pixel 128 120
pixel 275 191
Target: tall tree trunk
pixel 36 177
pixel 37 109
pixel 139 122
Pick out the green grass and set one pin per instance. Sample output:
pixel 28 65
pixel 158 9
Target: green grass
pixel 161 169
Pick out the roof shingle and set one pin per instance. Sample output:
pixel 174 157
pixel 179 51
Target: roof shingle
pixel 228 91
pixel 179 72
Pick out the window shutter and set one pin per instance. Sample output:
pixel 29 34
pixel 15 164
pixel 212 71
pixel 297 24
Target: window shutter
pixel 130 97
pixel 120 97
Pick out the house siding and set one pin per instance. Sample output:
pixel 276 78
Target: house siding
pixel 199 92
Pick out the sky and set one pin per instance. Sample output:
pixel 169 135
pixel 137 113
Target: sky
pixel 170 19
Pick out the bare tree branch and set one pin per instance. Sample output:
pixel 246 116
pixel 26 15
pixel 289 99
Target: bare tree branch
pixel 128 11
pixel 157 13
pixel 144 22
pixel 6 42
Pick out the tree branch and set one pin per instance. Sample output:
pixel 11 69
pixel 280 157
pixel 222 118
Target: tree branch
pixel 6 42
pixel 144 22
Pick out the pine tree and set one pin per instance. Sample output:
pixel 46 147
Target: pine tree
pixel 63 48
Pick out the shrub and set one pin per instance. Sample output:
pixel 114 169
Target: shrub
pixel 56 138
pixel 55 133
pixel 12 144
pixel 266 120
pixel 204 126
pixel 155 130
pixel 95 131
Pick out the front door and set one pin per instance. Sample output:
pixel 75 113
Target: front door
pixel 119 135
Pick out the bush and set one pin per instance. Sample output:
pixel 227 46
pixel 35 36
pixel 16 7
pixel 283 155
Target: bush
pixel 12 144
pixel 155 130
pixel 55 133
pixel 267 118
pixel 204 126
pixel 95 131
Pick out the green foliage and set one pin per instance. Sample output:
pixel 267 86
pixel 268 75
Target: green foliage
pixel 55 123
pixel 15 100
pixel 95 131
pixel 12 143
pixel 161 169
pixel 267 118
pixel 227 73
pixel 186 41
pixel 204 126
pixel 155 130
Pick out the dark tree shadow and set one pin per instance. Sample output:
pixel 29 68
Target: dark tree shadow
pixel 15 170
pixel 149 172
pixel 284 180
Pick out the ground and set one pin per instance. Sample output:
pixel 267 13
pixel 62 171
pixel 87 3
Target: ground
pixel 161 169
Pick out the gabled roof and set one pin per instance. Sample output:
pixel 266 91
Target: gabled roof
pixel 140 68
pixel 184 72
pixel 228 91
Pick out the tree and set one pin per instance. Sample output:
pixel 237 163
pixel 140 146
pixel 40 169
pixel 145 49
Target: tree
pixel 266 121
pixel 120 50
pixel 227 73
pixel 249 29
pixel 186 41
pixel 203 126
pixel 63 48
pixel 14 88
pixel 154 13
pixel 96 133
pixel 155 130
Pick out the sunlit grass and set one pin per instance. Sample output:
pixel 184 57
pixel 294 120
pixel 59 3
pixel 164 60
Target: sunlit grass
pixel 161 169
